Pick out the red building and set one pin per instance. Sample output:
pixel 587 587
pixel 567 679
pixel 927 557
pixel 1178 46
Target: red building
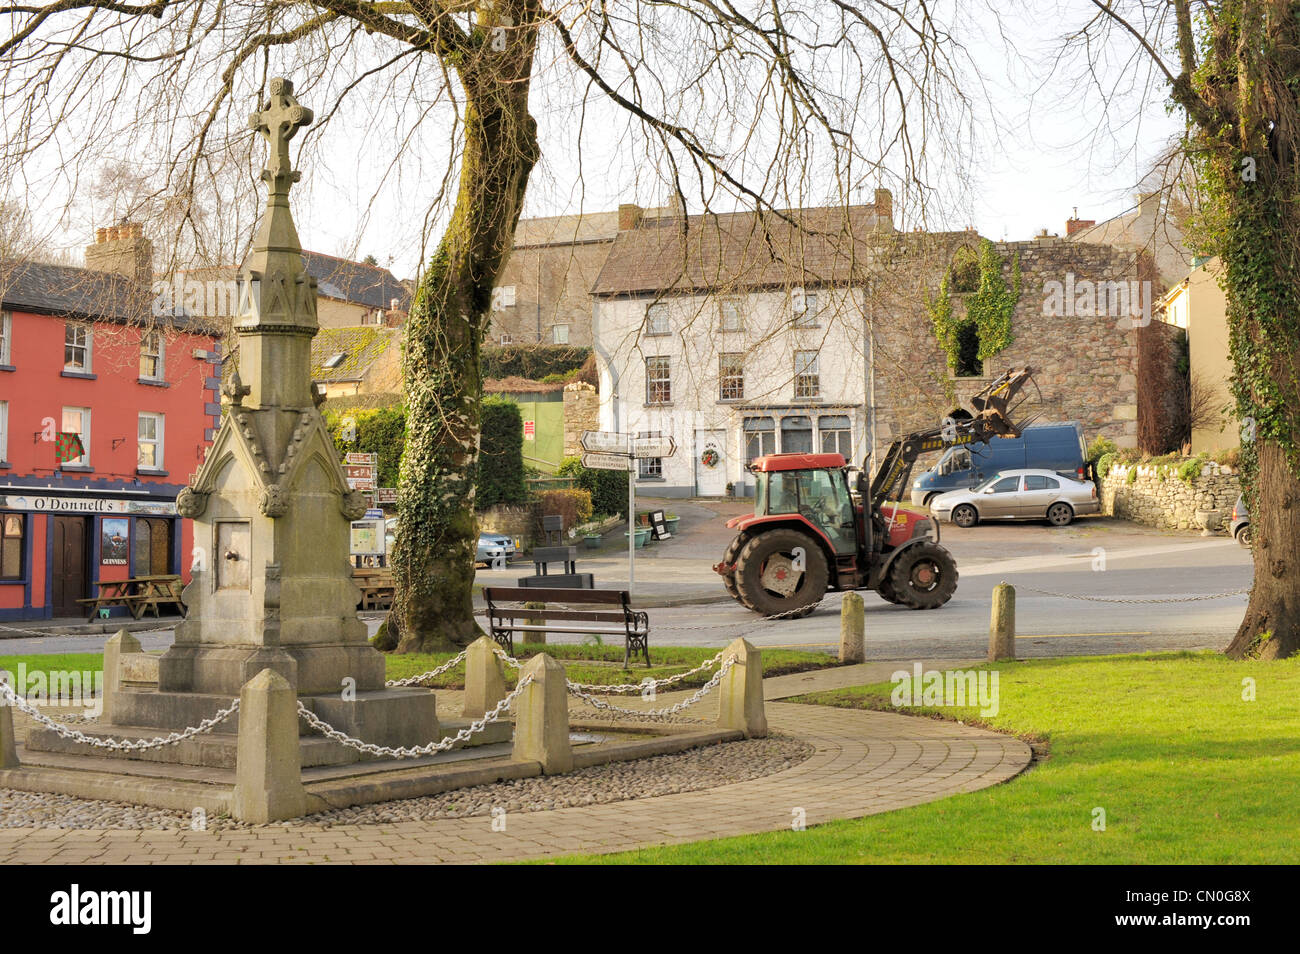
pixel 81 353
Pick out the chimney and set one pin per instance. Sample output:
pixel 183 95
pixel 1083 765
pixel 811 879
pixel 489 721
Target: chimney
pixel 629 216
pixel 1076 224
pixel 1148 208
pixel 884 209
pixel 122 249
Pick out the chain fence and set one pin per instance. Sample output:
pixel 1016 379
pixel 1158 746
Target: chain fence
pixel 597 703
pixel 1124 599
pixel 48 632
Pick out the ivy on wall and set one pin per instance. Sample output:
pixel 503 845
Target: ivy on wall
pixel 988 308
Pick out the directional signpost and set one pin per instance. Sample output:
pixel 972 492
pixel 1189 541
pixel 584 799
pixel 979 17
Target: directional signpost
pixel 615 450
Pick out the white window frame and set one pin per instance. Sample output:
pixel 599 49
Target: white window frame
pixel 160 355
pixel 84 432
pixel 735 381
pixel 4 430
pixel 89 347
pixel 650 468
pixel 656 319
pixel 736 306
pixel 805 308
pixel 6 337
pixel 666 380
pixel 846 430
pixel 807 376
pixel 556 337
pixel 158 441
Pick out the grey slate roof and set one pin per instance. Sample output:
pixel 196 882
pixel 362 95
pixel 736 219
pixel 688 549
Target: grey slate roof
pixel 72 292
pixel 369 285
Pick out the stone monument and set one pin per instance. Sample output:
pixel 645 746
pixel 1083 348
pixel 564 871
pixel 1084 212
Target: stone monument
pixel 271 581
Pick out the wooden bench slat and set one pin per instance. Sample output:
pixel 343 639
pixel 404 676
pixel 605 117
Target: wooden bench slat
pixel 594 617
pixel 546 595
pixel 603 631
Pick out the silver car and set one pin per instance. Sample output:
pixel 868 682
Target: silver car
pixel 1024 494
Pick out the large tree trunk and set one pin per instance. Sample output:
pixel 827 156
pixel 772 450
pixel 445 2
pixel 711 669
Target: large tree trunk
pixel 437 528
pixel 1271 627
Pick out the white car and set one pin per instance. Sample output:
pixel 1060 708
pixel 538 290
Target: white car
pixel 1025 494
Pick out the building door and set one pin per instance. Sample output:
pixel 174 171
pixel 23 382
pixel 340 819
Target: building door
pixel 710 463
pixel 68 576
pixel 153 546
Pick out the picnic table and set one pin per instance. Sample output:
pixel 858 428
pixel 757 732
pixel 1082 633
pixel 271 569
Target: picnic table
pixel 377 588
pixel 138 594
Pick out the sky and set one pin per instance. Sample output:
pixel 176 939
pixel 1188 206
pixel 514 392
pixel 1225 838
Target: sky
pixel 1044 145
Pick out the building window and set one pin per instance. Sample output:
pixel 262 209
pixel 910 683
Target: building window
pixel 731 315
pixel 76 348
pixel 658 380
pixel 731 377
pixel 6 333
pixel 76 420
pixel 11 546
pixel 505 340
pixel 807 378
pixel 836 435
pixel 969 364
pixel 650 468
pixel 151 356
pixel 656 319
pixel 503 297
pixel 149 455
pixel 152 539
pixel 803 305
pixel 760 438
pixel 4 430
pixel 796 435
pixel 560 334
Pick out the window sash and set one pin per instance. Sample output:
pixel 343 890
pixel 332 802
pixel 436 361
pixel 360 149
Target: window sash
pixel 730 315
pixel 151 356
pixel 656 319
pixel 4 430
pixel 658 380
pixel 6 333
pixel 731 377
pixel 76 348
pixel 149 442
pixel 76 420
pixel 12 532
pixel 807 378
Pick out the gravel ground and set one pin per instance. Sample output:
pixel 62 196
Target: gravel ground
pixel 695 769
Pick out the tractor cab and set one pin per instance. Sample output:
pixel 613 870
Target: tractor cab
pixel 813 486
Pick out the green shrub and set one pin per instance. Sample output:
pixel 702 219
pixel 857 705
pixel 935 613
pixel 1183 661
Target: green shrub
pixel 1191 469
pixel 573 505
pixel 1104 463
pixel 500 478
pixel 608 488
pixel 534 362
pixel 381 432
pixel 1132 474
pixel 1099 448
pixel 385 638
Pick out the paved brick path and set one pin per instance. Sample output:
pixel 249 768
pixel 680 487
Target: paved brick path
pixel 865 763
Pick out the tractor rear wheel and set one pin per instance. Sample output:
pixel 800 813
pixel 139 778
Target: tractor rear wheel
pixel 924 576
pixel 767 577
pixel 729 559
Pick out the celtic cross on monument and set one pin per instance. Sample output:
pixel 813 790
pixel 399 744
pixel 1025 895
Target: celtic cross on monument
pixel 277 123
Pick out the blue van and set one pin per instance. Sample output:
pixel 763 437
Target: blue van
pixel 1058 447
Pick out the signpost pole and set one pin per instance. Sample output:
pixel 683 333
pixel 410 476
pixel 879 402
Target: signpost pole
pixel 631 519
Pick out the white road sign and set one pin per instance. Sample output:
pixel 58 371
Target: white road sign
pixel 604 442
pixel 645 447
pixel 607 461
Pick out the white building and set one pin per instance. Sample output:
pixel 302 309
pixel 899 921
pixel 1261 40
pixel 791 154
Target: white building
pixel 738 337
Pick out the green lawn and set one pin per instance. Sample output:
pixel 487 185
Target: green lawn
pixel 1186 771
pixel 667 661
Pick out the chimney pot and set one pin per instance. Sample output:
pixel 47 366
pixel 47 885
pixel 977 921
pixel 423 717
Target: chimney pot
pixel 629 216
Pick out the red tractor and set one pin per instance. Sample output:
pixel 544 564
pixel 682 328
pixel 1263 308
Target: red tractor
pixel 814 528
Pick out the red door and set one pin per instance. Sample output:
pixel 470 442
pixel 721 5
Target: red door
pixel 69 575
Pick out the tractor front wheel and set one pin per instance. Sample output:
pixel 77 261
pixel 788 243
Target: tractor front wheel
pixel 924 576
pixel 781 571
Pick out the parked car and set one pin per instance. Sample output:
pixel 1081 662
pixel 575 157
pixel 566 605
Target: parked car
pixel 503 540
pixel 1240 525
pixel 1054 447
pixel 1024 494
pixel 491 546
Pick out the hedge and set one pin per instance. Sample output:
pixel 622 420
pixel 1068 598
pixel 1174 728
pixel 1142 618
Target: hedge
pixel 501 455
pixel 608 488
pixel 381 432
pixel 573 505
pixel 532 361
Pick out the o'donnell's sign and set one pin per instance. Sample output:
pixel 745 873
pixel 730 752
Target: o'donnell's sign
pixel 47 504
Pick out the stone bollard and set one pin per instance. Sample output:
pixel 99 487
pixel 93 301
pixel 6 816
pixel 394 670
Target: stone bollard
pixel 116 647
pixel 740 694
pixel 534 621
pixel 8 751
pixel 853 629
pixel 268 773
pixel 542 717
pixel 485 681
pixel 1002 624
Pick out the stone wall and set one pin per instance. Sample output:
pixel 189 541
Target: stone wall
pixel 1158 497
pixel 518 522
pixel 581 413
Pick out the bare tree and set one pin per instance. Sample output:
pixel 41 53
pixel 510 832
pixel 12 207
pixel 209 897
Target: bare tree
pixel 759 105
pixel 1232 67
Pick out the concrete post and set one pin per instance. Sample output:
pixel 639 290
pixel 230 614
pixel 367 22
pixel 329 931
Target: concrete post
pixel 485 682
pixel 1002 623
pixel 114 649
pixel 8 752
pixel 853 629
pixel 740 699
pixel 542 717
pixel 534 621
pixel 268 772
